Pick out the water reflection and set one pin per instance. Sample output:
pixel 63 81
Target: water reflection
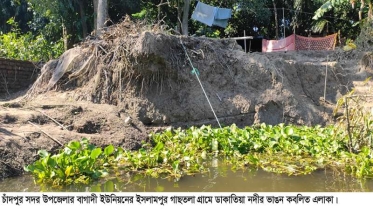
pixel 220 179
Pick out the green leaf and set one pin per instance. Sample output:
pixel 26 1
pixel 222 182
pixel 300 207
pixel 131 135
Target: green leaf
pixel 84 142
pixel 67 151
pixel 68 171
pixel 175 165
pixel 74 145
pixel 41 175
pixel 96 174
pixel 60 173
pixel 45 161
pixel 52 162
pixel 289 131
pixel 95 188
pixel 43 153
pixel 159 146
pixel 95 153
pixel 272 143
pixel 327 6
pixel 29 168
pixel 109 150
pixel 109 186
pixel 82 159
pixel 257 145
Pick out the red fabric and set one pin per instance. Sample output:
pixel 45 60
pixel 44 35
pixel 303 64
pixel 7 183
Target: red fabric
pixel 296 42
pixel 286 44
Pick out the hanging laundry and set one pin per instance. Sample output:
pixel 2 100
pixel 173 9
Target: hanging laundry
pixel 223 13
pixel 210 15
pixel 221 17
pixel 204 13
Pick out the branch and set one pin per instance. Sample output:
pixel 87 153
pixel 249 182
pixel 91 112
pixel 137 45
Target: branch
pixel 63 127
pixel 55 140
pixel 161 4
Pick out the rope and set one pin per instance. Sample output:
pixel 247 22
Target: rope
pixel 308 13
pixel 195 72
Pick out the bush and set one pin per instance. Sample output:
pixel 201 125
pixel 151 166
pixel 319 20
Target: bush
pixel 16 45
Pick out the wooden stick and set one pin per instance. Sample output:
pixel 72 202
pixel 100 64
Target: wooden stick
pixel 103 49
pixel 326 76
pixel 218 97
pixel 120 86
pixel 354 96
pixel 348 125
pixel 240 38
pixel 244 35
pixel 63 127
pixel 55 140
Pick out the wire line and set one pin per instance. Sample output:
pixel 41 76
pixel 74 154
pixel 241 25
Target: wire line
pixel 200 83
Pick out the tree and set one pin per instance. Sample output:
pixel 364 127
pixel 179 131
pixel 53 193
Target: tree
pixel 44 22
pixel 174 13
pixel 342 16
pixel 101 15
pixel 83 18
pixel 184 24
pixel 302 16
pixel 362 5
pixel 276 21
pixel 331 4
pixel 17 9
pixel 61 14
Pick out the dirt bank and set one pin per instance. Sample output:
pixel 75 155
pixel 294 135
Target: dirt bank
pixel 135 80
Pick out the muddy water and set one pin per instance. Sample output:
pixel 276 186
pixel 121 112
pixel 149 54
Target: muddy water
pixel 220 179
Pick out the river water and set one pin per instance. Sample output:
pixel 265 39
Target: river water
pixel 219 179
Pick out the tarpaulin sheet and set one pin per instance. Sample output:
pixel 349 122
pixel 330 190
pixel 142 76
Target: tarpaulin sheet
pixel 286 44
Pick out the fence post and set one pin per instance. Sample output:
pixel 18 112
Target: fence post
pixel 283 18
pixel 244 34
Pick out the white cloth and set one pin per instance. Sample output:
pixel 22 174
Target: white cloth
pixel 210 15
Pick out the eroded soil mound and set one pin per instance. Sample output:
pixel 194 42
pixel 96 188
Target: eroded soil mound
pixel 137 79
pixel 147 74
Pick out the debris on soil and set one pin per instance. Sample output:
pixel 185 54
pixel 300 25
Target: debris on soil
pixel 136 79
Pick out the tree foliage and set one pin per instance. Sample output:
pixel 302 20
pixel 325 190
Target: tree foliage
pixel 73 20
pixel 341 15
pixel 27 46
pixel 16 9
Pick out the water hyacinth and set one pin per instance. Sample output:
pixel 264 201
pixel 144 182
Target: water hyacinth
pixel 290 149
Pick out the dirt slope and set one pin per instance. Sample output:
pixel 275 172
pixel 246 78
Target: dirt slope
pixel 144 75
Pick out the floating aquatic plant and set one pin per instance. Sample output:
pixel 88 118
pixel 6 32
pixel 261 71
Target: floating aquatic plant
pixel 290 149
